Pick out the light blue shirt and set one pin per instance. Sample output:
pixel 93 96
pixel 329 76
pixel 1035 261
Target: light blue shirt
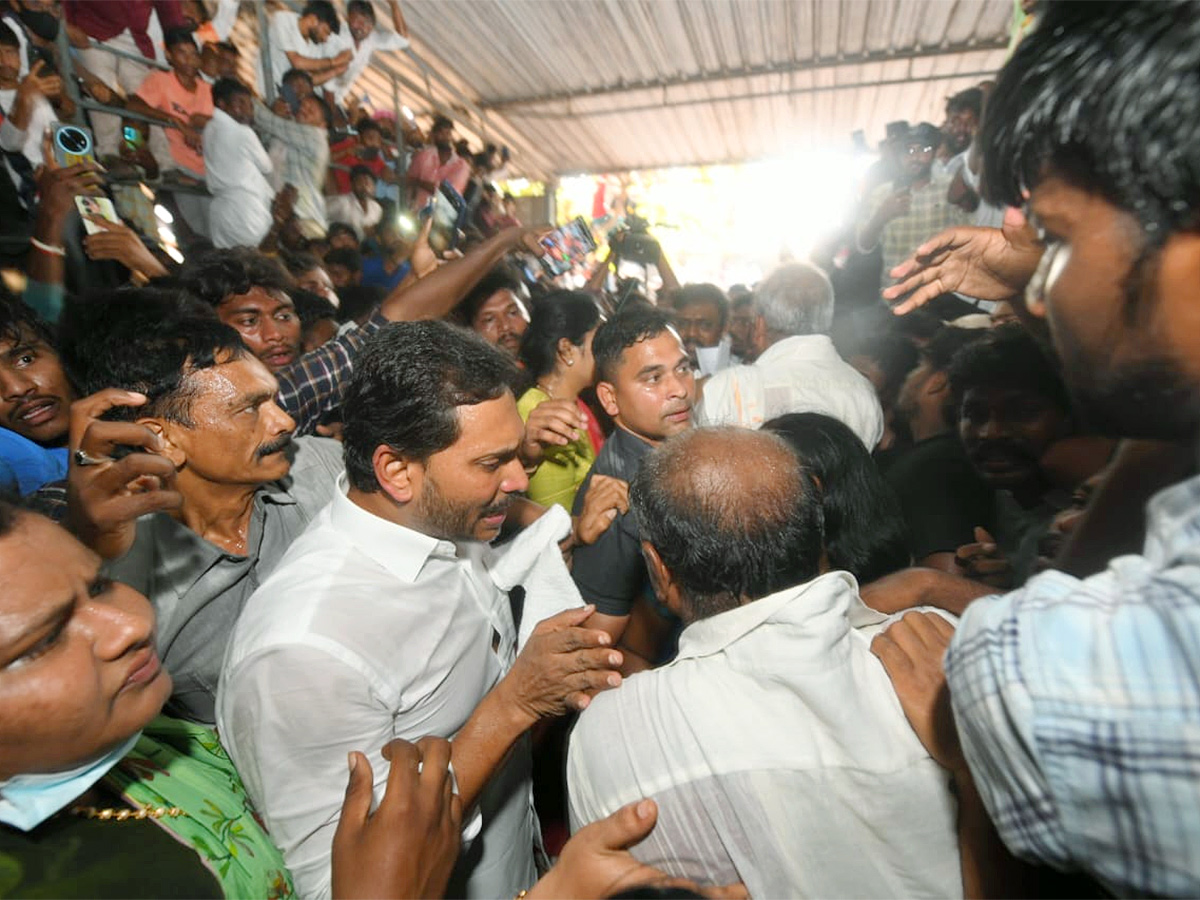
pixel 1078 705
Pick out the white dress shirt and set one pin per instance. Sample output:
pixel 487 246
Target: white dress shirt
pixel 346 208
pixel 367 631
pixel 778 755
pixel 377 40
pixel 236 168
pixel 802 373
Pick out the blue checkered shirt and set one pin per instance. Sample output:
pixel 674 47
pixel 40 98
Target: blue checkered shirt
pixel 313 385
pixel 1078 705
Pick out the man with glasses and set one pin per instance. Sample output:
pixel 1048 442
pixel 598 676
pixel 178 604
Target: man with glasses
pixel 906 212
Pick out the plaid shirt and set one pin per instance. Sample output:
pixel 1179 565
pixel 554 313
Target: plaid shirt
pixel 313 384
pixel 929 213
pixel 1078 705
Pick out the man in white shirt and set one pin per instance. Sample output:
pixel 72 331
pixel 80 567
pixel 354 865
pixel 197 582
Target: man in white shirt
pixel 383 621
pixel 365 40
pixel 359 209
pixel 303 41
pixel 236 169
pixel 25 110
pixel 773 743
pixel 797 368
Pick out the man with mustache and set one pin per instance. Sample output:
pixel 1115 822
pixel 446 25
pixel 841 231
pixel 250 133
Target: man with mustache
pixel 646 382
pixel 1012 407
pixel 383 618
pixel 203 454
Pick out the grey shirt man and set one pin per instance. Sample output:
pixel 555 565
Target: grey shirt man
pixel 198 589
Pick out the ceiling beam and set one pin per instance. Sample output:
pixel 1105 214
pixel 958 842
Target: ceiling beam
pixel 569 113
pixel 625 87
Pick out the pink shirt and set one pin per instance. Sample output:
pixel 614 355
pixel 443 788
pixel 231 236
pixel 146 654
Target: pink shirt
pixel 426 165
pixel 163 91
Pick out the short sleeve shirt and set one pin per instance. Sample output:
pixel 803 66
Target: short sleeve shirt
pixel 163 91
pixel 611 572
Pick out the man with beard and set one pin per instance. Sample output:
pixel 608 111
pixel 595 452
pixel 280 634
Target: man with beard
pixel 1076 702
pixel 702 317
pixel 495 312
pixel 437 163
pixel 368 39
pixel 905 212
pixel 302 41
pixel 1012 408
pixel 383 621
pixel 646 382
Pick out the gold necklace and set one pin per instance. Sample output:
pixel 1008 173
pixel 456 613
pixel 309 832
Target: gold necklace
pixel 111 814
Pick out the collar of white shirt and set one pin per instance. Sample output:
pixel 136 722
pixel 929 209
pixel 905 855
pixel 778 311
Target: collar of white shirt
pixel 831 598
pixel 402 551
pixel 800 346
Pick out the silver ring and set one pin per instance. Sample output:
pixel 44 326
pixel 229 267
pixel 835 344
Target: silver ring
pixel 83 458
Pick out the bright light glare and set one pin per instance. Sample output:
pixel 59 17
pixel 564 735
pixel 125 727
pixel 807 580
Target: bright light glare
pixel 406 224
pixel 174 253
pixel 164 214
pixel 166 235
pixel 408 113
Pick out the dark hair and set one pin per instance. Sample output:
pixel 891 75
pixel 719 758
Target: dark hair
pixel 939 353
pixel 345 256
pixel 366 124
pixel 440 122
pixel 312 308
pixel 293 74
pixel 336 228
pixel 325 12
pixel 500 278
pixel 147 340
pixel 1107 97
pixel 695 294
pixel 18 321
pixel 739 296
pixel 630 326
pixel 8 37
pixel 1007 357
pixel 728 532
pixel 226 89
pixel 228 47
pixel 361 6
pixel 357 300
pixel 362 170
pixel 408 382
pixel 221 274
pixel 895 356
pixel 326 110
pixel 970 100
pixel 562 314
pixel 865 531
pixel 299 263
pixel 173 37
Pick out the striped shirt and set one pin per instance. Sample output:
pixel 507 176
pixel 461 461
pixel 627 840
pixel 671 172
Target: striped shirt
pixel 1078 705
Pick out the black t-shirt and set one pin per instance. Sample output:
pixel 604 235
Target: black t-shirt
pixel 942 496
pixel 611 572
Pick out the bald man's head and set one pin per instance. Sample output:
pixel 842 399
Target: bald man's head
pixel 731 515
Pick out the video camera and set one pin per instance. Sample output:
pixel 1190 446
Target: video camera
pixel 633 241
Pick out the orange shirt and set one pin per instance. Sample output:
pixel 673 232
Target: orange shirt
pixel 163 91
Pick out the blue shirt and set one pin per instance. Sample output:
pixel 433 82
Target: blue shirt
pixel 374 274
pixel 26 466
pixel 1078 706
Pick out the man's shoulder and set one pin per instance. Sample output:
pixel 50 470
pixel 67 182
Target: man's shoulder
pixel 621 456
pixel 316 464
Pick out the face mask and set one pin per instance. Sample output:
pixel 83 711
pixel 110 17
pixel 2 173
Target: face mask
pixel 26 801
pixel 42 24
pixel 713 359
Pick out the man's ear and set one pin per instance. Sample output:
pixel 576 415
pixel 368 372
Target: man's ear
pixel 758 333
pixel 398 476
pixel 607 396
pixel 661 580
pixel 169 434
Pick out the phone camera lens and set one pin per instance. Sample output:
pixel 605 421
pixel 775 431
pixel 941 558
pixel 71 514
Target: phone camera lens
pixel 73 140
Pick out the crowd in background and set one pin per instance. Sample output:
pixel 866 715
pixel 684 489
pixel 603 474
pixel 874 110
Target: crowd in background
pixel 340 561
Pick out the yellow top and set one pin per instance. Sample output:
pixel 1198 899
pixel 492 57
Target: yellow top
pixel 563 468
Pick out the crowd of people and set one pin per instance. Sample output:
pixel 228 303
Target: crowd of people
pixel 336 564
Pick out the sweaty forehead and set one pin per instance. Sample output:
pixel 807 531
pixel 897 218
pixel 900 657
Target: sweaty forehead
pixel 664 349
pixel 260 298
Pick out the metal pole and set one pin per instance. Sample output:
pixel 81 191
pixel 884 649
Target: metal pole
pixel 136 57
pixel 66 67
pixel 264 53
